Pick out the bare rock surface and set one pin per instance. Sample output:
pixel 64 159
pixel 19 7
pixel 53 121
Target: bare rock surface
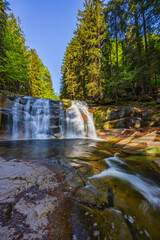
pixel 27 196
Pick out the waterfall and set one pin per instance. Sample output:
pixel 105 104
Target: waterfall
pixel 15 112
pixel 40 116
pixel 61 119
pixel 80 122
pixel 35 118
pixel 32 118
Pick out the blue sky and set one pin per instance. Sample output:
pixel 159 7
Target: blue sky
pixel 48 26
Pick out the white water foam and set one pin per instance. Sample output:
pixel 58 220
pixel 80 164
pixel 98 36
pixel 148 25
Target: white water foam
pixel 76 126
pixel 146 187
pixel 35 116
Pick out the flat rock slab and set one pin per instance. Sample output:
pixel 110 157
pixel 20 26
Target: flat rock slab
pixel 28 193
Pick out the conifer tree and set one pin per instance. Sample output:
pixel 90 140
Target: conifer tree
pixel 3 22
pixel 35 81
pixel 83 58
pixel 47 89
pixel 118 57
pixel 16 59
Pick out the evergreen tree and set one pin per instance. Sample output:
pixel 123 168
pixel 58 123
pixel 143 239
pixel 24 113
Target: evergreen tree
pixel 47 89
pixel 16 59
pixel 35 80
pixel 3 22
pixel 21 70
pixel 83 59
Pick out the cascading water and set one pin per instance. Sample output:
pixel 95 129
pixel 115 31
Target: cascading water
pixel 15 112
pixel 61 119
pixel 80 122
pixel 42 118
pixel 35 118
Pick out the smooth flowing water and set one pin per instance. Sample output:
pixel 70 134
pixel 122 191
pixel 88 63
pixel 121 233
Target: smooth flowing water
pixel 114 198
pixel 80 122
pixel 33 118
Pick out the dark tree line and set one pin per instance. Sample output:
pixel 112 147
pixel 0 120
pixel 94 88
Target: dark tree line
pixel 21 69
pixel 115 51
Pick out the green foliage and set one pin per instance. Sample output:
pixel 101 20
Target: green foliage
pixel 82 64
pixel 21 70
pixel 35 80
pixel 16 57
pixel 3 22
pixel 114 52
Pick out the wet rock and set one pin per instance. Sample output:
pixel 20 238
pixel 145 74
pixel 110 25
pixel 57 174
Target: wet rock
pixel 95 194
pixel 3 120
pixel 88 223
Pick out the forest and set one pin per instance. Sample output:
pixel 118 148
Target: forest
pixel 114 53
pixel 21 69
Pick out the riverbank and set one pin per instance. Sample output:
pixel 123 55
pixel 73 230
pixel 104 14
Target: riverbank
pixel 143 141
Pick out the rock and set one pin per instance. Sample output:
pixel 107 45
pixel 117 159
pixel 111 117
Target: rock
pixel 155 122
pixel 149 151
pixel 112 114
pixel 53 130
pixel 158 100
pixel 137 123
pixel 27 195
pixel 119 123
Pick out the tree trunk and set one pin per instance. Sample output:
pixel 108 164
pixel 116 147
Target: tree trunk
pixel 117 49
pixel 146 53
pixel 139 52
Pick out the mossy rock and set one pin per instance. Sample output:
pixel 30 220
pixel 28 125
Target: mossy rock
pixel 99 118
pixel 3 100
pixel 148 151
pixel 118 123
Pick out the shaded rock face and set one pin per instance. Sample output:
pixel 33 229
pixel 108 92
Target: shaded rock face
pixel 118 117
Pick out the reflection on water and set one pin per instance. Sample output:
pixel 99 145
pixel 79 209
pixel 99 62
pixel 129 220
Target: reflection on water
pixel 121 193
pixel 47 149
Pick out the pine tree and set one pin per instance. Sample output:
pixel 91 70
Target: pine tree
pixel 16 59
pixel 47 89
pixel 35 80
pixel 83 58
pixel 3 21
